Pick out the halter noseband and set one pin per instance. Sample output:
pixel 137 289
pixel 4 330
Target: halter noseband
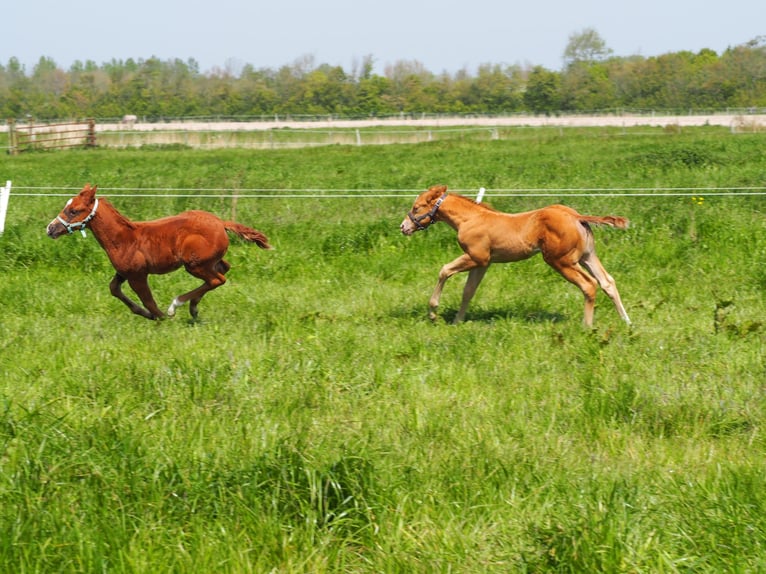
pixel 431 214
pixel 72 227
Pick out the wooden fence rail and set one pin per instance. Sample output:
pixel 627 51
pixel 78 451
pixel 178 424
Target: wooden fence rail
pixel 32 136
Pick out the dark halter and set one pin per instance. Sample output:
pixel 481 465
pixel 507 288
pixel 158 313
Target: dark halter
pixel 431 214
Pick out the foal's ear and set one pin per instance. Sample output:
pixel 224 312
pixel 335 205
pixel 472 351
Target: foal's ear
pixel 88 192
pixel 437 189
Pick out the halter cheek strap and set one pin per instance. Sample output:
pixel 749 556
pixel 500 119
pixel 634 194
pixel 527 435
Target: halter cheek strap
pixel 431 214
pixel 72 227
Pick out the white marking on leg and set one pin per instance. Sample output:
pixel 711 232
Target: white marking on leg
pixel 173 306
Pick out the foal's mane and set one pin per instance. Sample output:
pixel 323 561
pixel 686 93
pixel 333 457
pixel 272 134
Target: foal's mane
pixel 471 201
pixel 121 219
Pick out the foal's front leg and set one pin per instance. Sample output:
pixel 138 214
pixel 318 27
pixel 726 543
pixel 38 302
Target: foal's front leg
pixel 462 263
pixel 115 288
pixel 475 276
pixel 141 286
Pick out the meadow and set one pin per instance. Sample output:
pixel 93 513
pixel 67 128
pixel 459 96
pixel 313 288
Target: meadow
pixel 314 420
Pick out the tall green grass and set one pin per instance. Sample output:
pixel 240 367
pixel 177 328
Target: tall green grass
pixel 313 419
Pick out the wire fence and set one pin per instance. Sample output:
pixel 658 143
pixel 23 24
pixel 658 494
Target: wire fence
pixel 308 193
pixel 344 194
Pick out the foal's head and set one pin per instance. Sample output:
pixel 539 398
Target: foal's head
pixel 76 214
pixel 423 212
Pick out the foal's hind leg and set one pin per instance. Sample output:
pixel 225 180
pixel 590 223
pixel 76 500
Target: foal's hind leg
pixel 574 273
pixel 213 277
pixel 222 267
pixel 593 264
pixel 115 288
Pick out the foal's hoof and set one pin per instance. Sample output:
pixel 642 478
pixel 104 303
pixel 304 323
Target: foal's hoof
pixel 173 306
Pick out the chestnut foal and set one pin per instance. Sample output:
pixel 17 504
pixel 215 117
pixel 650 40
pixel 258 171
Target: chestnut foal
pixel 559 233
pixel 196 240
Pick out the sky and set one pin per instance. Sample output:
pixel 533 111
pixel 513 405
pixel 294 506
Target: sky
pixel 443 36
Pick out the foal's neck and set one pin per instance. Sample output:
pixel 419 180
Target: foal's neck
pixel 456 209
pixel 109 223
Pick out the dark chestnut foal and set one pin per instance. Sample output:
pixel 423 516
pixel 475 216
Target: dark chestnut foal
pixel 196 240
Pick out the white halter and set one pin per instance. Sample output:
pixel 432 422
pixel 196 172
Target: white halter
pixel 71 227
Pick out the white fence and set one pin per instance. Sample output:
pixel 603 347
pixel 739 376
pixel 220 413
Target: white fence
pixel 624 119
pixel 286 132
pixel 5 194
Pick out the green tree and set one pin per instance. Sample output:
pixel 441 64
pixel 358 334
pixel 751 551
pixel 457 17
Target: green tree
pixel 47 85
pixel 667 80
pixel 324 91
pixel 370 95
pixel 15 102
pixel 257 90
pixel 743 70
pixel 409 81
pixel 497 88
pixel 543 92
pixel 587 87
pixel 625 75
pixel 591 80
pixel 585 46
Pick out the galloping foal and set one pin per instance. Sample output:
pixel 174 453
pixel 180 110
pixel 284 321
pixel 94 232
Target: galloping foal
pixel 195 240
pixel 563 237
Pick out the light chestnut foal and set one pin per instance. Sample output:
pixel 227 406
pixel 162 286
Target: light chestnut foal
pixel 559 233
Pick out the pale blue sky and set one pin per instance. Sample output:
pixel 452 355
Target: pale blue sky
pixel 443 36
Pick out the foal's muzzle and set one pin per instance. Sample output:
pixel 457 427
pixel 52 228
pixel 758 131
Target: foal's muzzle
pixel 55 229
pixel 407 227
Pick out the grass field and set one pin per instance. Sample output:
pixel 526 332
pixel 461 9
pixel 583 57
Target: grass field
pixel 314 419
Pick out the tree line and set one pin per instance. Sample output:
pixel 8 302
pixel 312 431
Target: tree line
pixel 591 79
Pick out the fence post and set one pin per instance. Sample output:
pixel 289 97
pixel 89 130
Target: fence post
pixel 12 141
pixel 90 140
pixel 5 193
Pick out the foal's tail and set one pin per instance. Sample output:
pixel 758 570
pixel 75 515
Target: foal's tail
pixel 611 220
pixel 248 234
